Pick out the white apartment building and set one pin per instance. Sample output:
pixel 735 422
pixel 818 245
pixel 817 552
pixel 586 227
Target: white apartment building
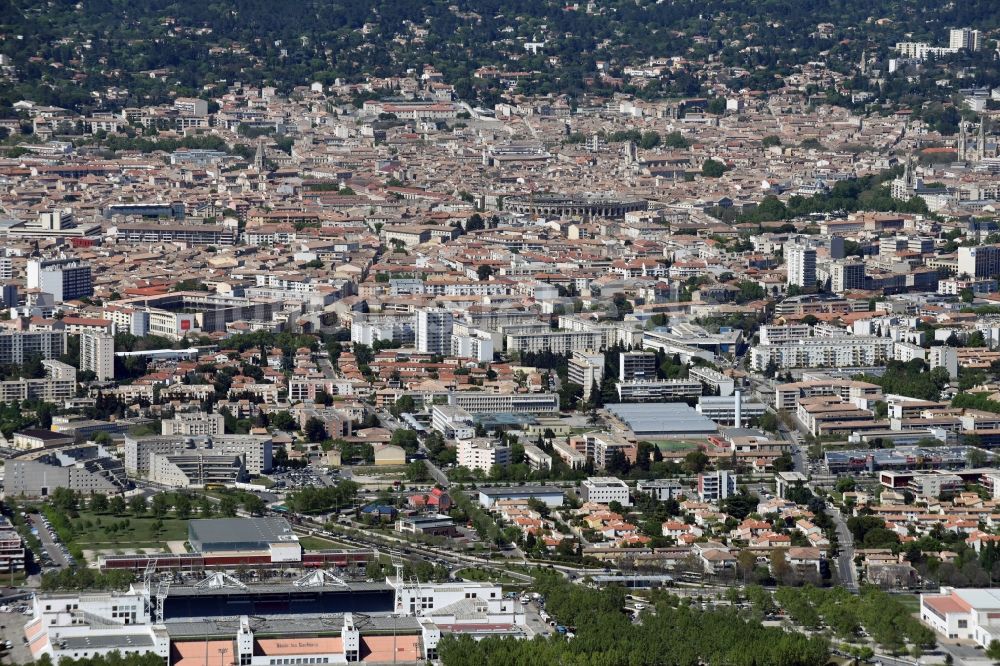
pixel 965 38
pixel 482 454
pixel 944 357
pixel 801 263
pixel 656 390
pixel 6 269
pixel 557 342
pixel 434 331
pixel 834 352
pixel 715 486
pixel 586 369
pixel 477 348
pixel 97 354
pixel 605 489
pixel 776 335
pixel 723 384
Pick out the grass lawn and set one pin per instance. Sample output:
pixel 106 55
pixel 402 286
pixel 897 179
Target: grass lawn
pixel 670 445
pixel 94 531
pixel 911 601
pixel 485 575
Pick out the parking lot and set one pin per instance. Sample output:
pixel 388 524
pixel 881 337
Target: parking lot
pixel 12 629
pixel 56 554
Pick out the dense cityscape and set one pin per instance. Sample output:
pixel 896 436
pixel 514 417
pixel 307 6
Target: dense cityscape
pixel 514 333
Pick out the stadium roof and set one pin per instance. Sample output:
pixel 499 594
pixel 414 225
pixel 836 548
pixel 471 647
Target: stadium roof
pixel 665 418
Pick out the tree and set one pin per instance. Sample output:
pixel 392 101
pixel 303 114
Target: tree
pixel 484 272
pixel 696 461
pixel 780 568
pixel 182 506
pixel 254 505
pixel 99 503
pixel 713 169
pixel 161 504
pixel 993 651
pixel 137 505
pixel 315 430
pixel 228 506
pixel 770 140
pixel 475 223
pixel 117 505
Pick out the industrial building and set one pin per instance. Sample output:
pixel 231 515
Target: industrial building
pixel 229 535
pixel 670 419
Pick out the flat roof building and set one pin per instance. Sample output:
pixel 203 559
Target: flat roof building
pixel 669 419
pixel 217 535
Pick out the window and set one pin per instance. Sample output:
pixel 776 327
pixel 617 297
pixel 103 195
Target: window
pixel 963 624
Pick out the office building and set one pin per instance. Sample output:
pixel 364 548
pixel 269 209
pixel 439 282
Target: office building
pixel 8 295
pixel 255 452
pixel 716 486
pixel 86 469
pixel 196 469
pixel 453 422
pixel 979 262
pixel 636 366
pixel 482 453
pixel 434 327
pixel 65 278
pixel 194 423
pixel 732 410
pixel 605 489
pixel 965 38
pixel 549 495
pixel 661 489
pixel 846 275
pixel 97 355
pixel 479 402
pixel 801 261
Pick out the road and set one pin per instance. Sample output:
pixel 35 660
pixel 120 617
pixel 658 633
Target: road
pixel 392 424
pixel 846 572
